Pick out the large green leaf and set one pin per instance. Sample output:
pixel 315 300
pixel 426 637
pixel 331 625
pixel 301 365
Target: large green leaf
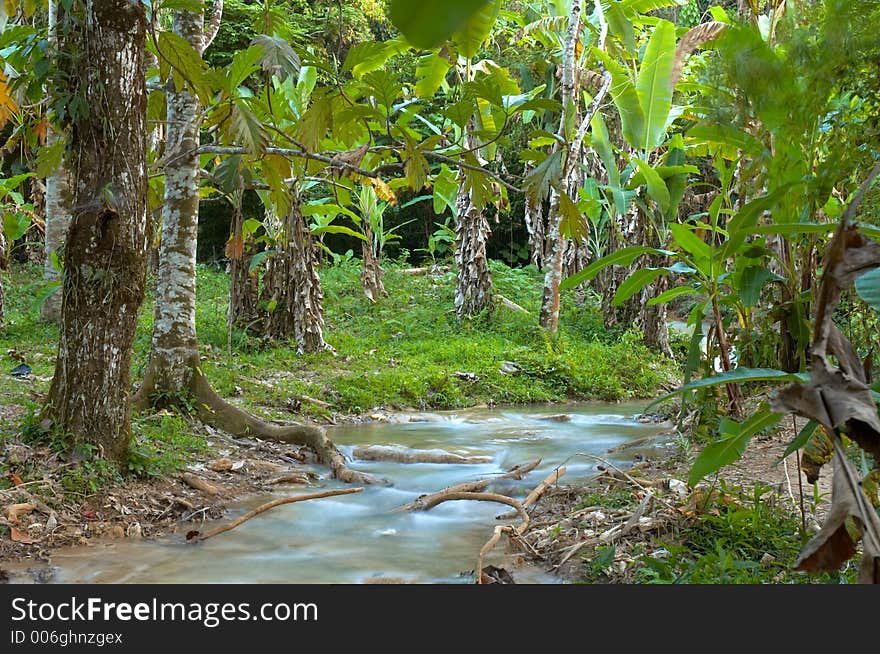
pixel 427 23
pixel 801 439
pixel 187 64
pixel 730 448
pixel 690 242
pixel 430 73
pixel 278 58
pixel 751 281
pixel 626 99
pixel 739 375
pixel 572 224
pixel 244 62
pixel 654 84
pixel 246 128
pixel 476 29
pixel 622 257
pixel 635 283
pixel 656 186
pixel 868 288
pixel 672 293
pixel 15 224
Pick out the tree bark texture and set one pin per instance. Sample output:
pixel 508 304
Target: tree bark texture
pixel 555 250
pixel 372 273
pixel 473 287
pixel 174 326
pixel 473 282
pixel 291 286
pixel 106 245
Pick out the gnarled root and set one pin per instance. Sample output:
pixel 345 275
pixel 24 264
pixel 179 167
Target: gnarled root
pixel 219 413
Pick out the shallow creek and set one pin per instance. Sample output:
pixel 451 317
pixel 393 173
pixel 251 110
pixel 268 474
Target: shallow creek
pixel 353 538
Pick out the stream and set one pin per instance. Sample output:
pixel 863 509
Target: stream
pixel 353 538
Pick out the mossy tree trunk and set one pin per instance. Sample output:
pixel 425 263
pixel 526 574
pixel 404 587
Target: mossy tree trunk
pixel 174 372
pixel 106 245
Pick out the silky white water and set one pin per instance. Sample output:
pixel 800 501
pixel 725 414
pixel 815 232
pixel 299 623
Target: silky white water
pixel 353 538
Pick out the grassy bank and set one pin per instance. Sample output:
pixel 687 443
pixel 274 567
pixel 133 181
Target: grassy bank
pixel 407 351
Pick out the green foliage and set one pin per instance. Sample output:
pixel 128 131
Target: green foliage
pixel 750 538
pixel 162 444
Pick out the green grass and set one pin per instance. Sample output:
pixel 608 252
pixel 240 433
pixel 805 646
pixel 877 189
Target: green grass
pixel 725 543
pixel 402 352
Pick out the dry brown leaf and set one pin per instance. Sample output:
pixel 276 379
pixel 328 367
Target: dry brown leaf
pixel 691 41
pixel 20 537
pixel 834 545
pixel 13 511
pixel 16 479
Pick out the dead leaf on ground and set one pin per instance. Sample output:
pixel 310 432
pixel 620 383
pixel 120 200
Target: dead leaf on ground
pixel 20 537
pixel 13 511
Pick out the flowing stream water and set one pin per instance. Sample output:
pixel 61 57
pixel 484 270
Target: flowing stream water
pixel 352 538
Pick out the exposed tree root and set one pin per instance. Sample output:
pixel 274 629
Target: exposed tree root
pixel 199 484
pixel 220 414
pixel 195 536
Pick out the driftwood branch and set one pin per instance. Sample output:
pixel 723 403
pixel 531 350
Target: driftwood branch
pixel 271 505
pixel 424 502
pixel 536 493
pixel 199 484
pixel 488 547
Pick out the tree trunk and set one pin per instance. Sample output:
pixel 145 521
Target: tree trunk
pixel 555 250
pixel 174 371
pixel 372 273
pixel 3 266
pixel 534 219
pixel 174 328
pixel 106 245
pixel 473 286
pixel 291 285
pixel 244 310
pixel 59 199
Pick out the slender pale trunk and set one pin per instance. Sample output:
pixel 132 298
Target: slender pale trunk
pixel 473 283
pixel 59 199
pixel 106 245
pixel 174 345
pixel 555 250
pixel 3 266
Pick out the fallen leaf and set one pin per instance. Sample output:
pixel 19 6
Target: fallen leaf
pixel 16 479
pixel 20 537
pixel 13 511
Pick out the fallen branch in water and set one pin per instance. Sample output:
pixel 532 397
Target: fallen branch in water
pixel 536 493
pixel 424 502
pixel 488 547
pixel 194 536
